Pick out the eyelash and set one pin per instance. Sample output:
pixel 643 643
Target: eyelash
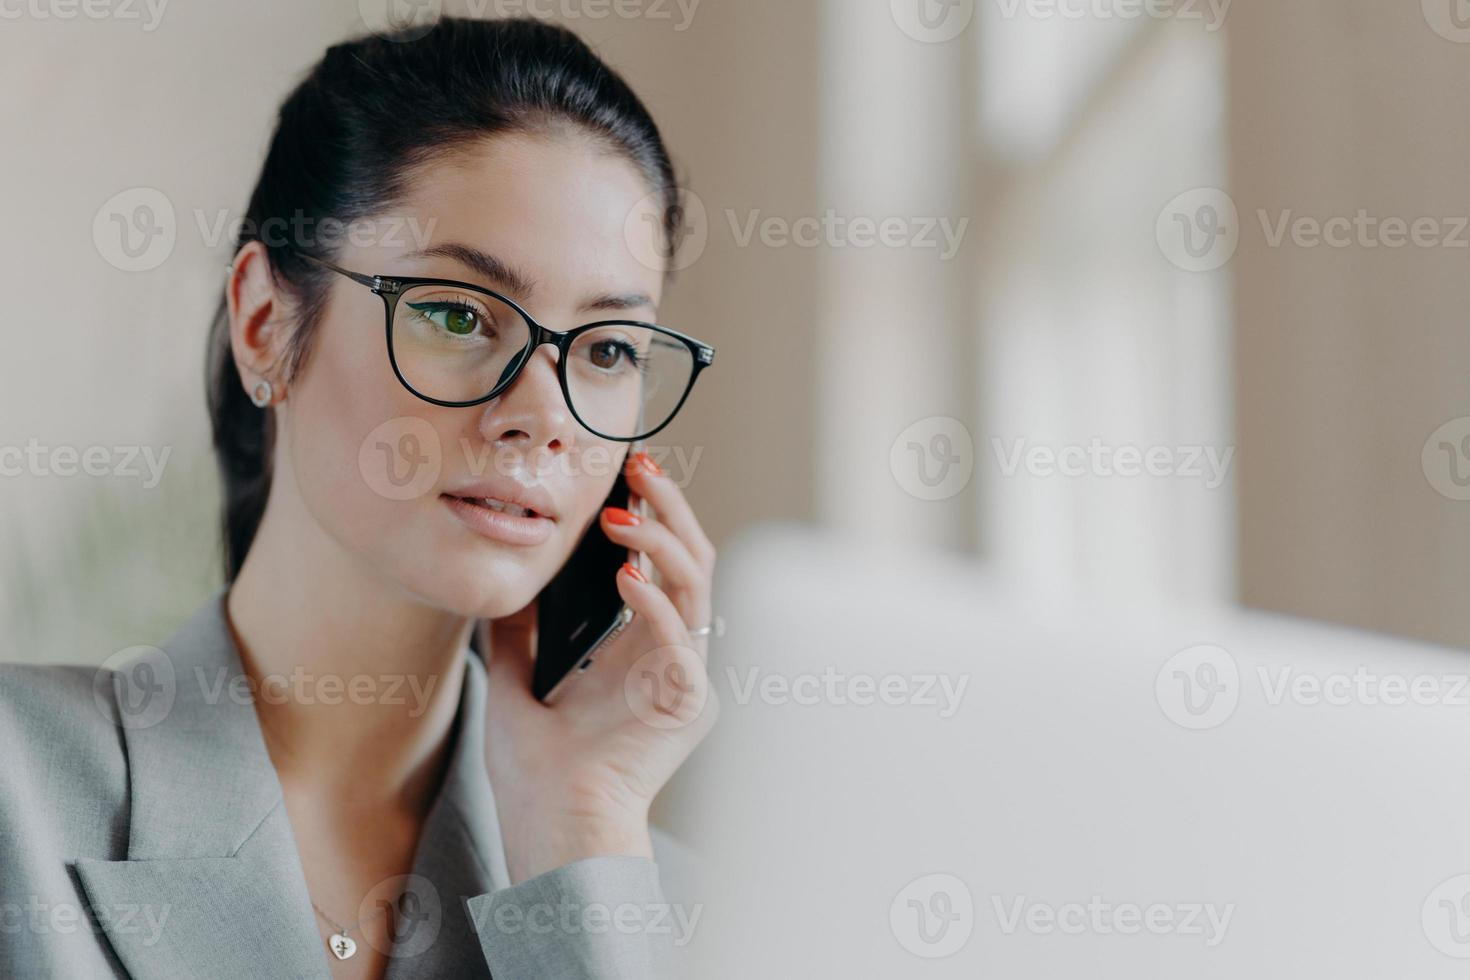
pixel 454 304
pixel 628 350
pixel 464 304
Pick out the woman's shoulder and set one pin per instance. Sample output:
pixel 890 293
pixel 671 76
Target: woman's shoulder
pixel 57 709
pixel 65 777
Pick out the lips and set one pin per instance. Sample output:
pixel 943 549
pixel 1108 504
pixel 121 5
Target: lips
pixel 504 511
pixel 501 507
pixel 508 498
pixel 499 520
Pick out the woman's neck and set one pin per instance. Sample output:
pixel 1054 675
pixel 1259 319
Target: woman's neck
pixel 357 683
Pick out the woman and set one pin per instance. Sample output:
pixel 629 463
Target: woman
pixel 317 773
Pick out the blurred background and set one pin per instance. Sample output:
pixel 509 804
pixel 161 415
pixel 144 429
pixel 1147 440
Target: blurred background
pixel 1156 300
pixel 1153 309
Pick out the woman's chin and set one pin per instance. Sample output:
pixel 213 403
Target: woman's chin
pixel 486 586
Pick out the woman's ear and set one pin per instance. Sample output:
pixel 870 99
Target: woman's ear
pixel 257 324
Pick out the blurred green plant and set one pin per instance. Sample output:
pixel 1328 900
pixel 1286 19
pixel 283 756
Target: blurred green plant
pixel 122 566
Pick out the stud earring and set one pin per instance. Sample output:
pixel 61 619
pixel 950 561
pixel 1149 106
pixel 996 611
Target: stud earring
pixel 262 394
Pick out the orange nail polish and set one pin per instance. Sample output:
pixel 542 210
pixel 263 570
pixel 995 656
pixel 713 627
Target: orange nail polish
pixel 648 464
pixel 618 515
pixel 631 570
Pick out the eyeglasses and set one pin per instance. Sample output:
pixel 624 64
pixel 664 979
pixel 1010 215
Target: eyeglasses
pixel 457 344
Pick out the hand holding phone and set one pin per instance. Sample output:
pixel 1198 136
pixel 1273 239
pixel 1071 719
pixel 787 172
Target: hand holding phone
pixel 576 779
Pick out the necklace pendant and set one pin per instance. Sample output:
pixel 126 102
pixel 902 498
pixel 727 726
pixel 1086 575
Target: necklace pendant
pixel 341 946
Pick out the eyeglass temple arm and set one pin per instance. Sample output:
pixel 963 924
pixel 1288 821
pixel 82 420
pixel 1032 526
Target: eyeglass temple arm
pixel 372 282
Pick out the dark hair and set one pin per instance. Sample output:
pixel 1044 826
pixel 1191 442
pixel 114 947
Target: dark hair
pixel 348 143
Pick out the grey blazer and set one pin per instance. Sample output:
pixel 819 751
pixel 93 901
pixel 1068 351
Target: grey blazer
pixel 157 844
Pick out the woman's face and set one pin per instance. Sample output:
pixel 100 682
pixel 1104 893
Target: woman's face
pixel 396 481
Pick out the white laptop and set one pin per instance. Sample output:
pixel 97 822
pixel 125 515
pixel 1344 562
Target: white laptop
pixel 919 774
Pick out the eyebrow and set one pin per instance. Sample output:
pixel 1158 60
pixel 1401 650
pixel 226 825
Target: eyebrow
pixel 517 281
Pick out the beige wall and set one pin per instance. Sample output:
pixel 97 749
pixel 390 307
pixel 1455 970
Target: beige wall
pixel 1348 359
pixel 736 96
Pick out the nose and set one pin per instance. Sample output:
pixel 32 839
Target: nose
pixel 531 416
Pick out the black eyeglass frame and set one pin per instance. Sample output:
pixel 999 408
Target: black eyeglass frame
pixel 391 288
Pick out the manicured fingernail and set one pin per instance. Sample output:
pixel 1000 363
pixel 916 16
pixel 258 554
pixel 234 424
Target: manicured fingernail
pixel 617 515
pixel 646 461
pixel 631 570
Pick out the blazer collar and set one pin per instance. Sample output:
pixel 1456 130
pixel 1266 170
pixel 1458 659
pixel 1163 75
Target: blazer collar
pixel 210 844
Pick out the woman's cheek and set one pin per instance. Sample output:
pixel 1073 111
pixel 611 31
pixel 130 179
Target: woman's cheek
pixel 363 466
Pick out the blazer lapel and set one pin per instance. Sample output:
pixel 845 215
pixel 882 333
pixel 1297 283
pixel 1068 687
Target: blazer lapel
pixel 211 859
pixel 460 854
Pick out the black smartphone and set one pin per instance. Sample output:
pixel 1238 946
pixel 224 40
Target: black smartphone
pixel 580 610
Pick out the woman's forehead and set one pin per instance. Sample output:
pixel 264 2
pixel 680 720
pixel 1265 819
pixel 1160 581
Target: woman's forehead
pixel 556 214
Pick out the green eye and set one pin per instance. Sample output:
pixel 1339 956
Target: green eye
pixel 452 318
pixel 459 321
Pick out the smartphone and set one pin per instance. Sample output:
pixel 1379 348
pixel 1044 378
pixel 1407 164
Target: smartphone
pixel 580 611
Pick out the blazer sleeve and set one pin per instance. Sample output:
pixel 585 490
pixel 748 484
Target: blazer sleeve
pixel 600 918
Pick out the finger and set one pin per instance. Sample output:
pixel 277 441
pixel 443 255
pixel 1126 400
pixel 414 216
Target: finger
pixel 663 620
pixel 676 667
pixel 686 582
pixel 672 507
